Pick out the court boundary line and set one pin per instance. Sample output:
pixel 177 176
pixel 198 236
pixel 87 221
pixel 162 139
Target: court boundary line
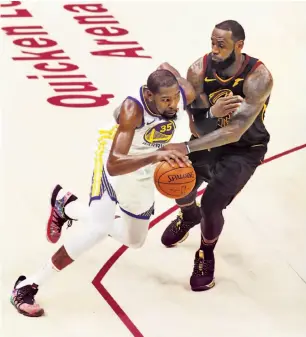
pixel 97 281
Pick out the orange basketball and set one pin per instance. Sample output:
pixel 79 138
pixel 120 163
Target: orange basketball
pixel 174 182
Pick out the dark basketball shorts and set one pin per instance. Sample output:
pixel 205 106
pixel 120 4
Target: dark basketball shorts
pixel 226 169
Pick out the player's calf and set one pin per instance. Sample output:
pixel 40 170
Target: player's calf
pixel 57 218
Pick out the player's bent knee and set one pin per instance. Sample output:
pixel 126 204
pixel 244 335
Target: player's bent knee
pixel 136 240
pixel 213 201
pixel 96 233
pixel 136 231
pixel 137 243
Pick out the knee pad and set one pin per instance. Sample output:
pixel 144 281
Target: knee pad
pixel 135 230
pixel 136 243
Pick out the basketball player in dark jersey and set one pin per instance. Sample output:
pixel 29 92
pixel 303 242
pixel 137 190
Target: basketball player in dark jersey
pixel 229 140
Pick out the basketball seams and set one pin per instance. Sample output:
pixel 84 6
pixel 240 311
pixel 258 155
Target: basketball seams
pixel 168 173
pixel 171 195
pixel 164 170
pixel 157 170
pixel 186 182
pixel 175 169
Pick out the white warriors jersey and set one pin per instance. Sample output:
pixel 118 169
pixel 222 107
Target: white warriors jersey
pixel 135 191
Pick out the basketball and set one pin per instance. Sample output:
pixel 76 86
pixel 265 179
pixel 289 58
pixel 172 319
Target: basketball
pixel 174 182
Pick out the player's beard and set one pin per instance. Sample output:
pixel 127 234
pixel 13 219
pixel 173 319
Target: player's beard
pixel 219 66
pixel 164 116
pixel 174 117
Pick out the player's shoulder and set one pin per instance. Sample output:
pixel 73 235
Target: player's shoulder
pixel 135 99
pixel 259 82
pixel 132 105
pixel 195 74
pixel 197 66
pixel 131 111
pixel 257 63
pixel 260 72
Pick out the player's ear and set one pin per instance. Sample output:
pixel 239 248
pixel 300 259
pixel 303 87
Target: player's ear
pixel 239 44
pixel 150 95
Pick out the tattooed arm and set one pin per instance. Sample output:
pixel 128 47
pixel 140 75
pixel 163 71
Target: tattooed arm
pixel 256 88
pixel 195 76
pixel 198 112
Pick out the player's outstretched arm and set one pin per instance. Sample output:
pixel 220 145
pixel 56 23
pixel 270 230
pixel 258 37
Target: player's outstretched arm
pixel 257 88
pixel 119 162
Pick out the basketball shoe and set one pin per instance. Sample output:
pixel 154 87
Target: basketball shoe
pixel 57 216
pixel 202 277
pixel 178 230
pixel 23 299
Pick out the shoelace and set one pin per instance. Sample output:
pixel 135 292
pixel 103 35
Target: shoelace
pixel 58 223
pixel 25 295
pixel 176 224
pixel 179 224
pixel 202 267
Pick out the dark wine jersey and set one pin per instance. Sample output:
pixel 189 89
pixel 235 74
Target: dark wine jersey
pixel 216 87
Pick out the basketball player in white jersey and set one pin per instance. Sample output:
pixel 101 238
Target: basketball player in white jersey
pixel 123 175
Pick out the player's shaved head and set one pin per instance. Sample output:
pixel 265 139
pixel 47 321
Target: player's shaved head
pixel 234 27
pixel 160 78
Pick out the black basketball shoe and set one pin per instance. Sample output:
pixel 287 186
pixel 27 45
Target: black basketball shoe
pixel 178 230
pixel 202 277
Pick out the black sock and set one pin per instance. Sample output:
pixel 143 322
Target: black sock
pixel 208 249
pixel 192 213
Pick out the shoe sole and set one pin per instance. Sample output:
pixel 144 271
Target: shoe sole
pixel 204 287
pixel 48 228
pixel 53 198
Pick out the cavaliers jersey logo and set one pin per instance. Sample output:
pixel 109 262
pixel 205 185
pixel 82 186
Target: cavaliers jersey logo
pixel 214 96
pixel 223 121
pixel 160 134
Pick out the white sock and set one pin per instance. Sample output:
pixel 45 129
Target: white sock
pixel 77 210
pixel 44 274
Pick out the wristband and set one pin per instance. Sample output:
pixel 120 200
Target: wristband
pixel 187 146
pixel 209 114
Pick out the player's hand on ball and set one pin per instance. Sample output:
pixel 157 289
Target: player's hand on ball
pixel 226 105
pixel 172 157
